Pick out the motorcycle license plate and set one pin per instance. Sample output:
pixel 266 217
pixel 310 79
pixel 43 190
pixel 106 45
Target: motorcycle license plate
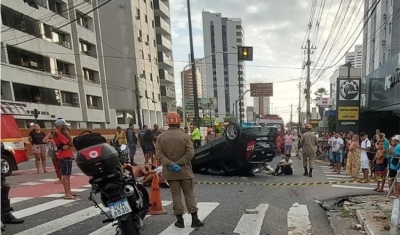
pixel 120 208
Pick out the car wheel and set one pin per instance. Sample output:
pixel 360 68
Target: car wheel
pixel 6 165
pixel 232 132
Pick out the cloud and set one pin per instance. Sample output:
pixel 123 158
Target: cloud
pixel 275 29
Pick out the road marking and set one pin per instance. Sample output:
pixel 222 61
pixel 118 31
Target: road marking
pixel 339 176
pixel 205 208
pixel 356 187
pixel 298 221
pixel 109 229
pixel 79 174
pixel 87 186
pixel 251 223
pixel 49 180
pixel 31 183
pixel 78 190
pixel 19 199
pixel 63 222
pixel 41 207
pixel 55 195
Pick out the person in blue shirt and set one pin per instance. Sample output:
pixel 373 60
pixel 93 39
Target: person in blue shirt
pixel 395 166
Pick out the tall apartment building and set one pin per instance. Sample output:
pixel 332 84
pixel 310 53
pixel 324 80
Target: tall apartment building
pixel 134 60
pixel 381 36
pixel 201 66
pixel 221 34
pixel 58 71
pixel 188 91
pixel 355 57
pixel 262 105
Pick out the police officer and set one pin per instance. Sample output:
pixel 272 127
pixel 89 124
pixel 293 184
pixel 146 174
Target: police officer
pixel 6 216
pixel 174 150
pixel 309 145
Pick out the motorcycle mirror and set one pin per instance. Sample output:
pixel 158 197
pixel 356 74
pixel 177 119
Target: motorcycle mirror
pixel 123 147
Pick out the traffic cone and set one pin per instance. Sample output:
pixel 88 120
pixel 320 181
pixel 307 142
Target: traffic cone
pixel 156 207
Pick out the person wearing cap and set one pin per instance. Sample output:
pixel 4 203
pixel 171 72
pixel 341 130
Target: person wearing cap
pixel 63 141
pixel 309 145
pixel 174 151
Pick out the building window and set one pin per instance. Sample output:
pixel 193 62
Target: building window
pixel 151 78
pixel 34 94
pixel 84 20
pixel 6 91
pixel 151 5
pixel 152 24
pixel 238 33
pixel 238 27
pixel 62 39
pixel 69 99
pixel 87 48
pixel 137 13
pixel 64 68
pixel 28 59
pixel 58 7
pixel 145 18
pixel 94 102
pixel 18 21
pixel 238 40
pixel 90 75
pixel 149 57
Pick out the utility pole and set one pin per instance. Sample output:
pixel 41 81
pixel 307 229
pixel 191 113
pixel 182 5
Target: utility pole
pixel 299 110
pixel 308 82
pixel 194 79
pixel 291 116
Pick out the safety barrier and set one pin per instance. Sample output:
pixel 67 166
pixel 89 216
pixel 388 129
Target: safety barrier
pixel 289 183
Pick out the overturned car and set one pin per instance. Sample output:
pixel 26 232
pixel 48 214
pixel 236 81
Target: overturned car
pixel 239 151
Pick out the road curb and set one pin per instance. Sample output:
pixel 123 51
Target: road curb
pixel 367 228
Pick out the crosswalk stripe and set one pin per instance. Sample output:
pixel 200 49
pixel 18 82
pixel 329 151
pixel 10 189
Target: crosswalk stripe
pixel 19 199
pixel 49 180
pixel 250 224
pixel 78 190
pixel 41 207
pixel 339 176
pixel 63 222
pixel 205 208
pixel 109 229
pixel 55 195
pixel 298 220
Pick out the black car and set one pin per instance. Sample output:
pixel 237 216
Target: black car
pixel 238 152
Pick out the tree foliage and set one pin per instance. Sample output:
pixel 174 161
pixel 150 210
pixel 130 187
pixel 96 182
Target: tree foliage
pixel 229 118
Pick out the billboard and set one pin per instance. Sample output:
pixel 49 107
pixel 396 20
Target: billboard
pixel 261 89
pixel 348 105
pixel 324 102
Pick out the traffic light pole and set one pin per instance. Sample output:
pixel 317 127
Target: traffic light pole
pixel 240 92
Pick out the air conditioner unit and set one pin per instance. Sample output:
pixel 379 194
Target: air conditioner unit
pixel 67 45
pixel 137 17
pixel 383 42
pixel 139 39
pixel 384 16
pixel 147 43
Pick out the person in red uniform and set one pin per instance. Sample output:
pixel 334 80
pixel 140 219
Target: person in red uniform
pixel 63 141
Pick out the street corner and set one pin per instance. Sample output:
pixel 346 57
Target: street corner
pixel 368 214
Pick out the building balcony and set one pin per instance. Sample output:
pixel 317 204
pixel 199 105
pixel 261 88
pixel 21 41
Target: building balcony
pixel 162 26
pixel 164 61
pixel 165 76
pixel 163 44
pixel 161 9
pixel 167 93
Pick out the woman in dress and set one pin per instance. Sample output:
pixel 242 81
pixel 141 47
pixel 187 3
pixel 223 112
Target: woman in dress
pixel 353 158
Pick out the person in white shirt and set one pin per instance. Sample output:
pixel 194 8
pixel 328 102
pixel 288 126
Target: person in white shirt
pixel 284 166
pixel 330 142
pixel 365 146
pixel 337 145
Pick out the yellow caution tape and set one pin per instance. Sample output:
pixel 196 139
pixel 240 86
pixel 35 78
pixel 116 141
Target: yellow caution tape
pixel 291 184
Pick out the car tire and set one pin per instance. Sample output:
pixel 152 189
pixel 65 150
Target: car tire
pixel 232 132
pixel 7 162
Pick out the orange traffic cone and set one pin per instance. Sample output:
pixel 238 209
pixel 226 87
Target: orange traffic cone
pixel 155 198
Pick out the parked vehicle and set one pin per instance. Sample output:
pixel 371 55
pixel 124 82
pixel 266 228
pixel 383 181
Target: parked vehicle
pixel 13 147
pixel 127 200
pixel 273 120
pixel 239 151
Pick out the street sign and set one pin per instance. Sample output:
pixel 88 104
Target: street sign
pixel 261 89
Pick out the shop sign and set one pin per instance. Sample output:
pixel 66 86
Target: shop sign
pixel 346 123
pixel 348 113
pixel 349 90
pixel 392 80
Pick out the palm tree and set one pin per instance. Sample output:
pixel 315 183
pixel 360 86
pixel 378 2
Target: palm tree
pixel 321 92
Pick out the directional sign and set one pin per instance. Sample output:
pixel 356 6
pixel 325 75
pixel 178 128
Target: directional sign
pixel 261 89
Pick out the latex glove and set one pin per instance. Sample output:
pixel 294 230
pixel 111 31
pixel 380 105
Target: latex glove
pixel 175 168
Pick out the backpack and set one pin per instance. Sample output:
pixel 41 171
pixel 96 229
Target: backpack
pixel 87 139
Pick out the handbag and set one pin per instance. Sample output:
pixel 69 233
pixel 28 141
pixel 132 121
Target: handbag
pixel 87 139
pixel 51 150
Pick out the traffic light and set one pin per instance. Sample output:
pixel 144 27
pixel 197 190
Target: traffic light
pixel 245 53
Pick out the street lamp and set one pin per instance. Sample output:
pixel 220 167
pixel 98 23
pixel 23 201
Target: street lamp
pixel 236 108
pixel 183 81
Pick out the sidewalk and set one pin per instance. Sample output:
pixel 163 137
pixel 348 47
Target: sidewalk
pixel 365 214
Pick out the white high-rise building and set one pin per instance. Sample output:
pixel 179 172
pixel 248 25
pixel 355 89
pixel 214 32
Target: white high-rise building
pixel 201 66
pixel 221 34
pixel 381 36
pixel 138 32
pixel 355 57
pixel 58 71
pixel 262 105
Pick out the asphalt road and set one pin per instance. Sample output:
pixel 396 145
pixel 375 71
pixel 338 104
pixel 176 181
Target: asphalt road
pixel 37 198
